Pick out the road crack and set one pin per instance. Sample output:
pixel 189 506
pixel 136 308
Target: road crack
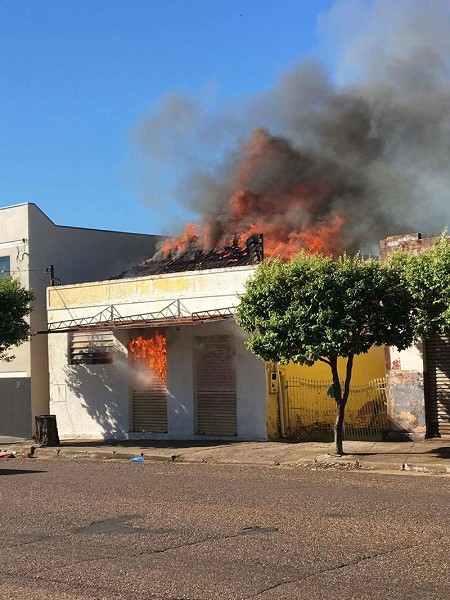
pixel 350 563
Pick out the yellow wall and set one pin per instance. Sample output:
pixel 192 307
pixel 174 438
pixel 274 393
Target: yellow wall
pixel 273 412
pixel 366 367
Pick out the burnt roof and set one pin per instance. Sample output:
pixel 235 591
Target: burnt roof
pixel 197 259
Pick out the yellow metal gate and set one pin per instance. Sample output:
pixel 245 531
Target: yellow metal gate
pixel 311 410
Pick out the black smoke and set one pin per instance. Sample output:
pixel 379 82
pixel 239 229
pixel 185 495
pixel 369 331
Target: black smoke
pixel 375 134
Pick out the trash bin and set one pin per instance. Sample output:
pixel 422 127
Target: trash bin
pixel 46 430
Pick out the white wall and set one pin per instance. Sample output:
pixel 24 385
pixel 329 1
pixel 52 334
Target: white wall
pixel 250 381
pixel 96 401
pixel 405 392
pixel 180 381
pixel 90 401
pixel 410 359
pixel 14 243
pixel 15 382
pixel 78 255
pixel 186 292
pixel 93 401
pixel 33 242
pixel 102 385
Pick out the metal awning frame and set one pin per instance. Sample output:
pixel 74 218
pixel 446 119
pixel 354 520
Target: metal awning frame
pixel 174 314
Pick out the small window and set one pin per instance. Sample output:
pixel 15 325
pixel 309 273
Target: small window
pixel 5 266
pixel 91 348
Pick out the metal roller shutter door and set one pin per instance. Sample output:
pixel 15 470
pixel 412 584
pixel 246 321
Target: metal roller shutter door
pixel 437 386
pixel 215 386
pixel 150 407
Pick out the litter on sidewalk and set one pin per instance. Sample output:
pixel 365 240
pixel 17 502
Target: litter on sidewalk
pixel 138 459
pixel 7 454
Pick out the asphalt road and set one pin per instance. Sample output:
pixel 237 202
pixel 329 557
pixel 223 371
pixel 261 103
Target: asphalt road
pixel 78 530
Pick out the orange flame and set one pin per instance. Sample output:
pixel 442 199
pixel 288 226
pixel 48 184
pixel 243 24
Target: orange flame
pixel 292 216
pixel 151 351
pixel 180 244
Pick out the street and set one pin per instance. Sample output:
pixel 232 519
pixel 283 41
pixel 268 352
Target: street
pixel 78 530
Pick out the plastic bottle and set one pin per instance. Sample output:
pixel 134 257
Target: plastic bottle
pixel 137 458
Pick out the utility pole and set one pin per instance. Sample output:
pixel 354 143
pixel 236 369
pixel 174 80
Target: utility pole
pixel 51 271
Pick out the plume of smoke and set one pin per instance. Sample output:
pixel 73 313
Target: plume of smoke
pixel 371 146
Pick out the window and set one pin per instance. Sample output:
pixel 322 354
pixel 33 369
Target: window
pixel 5 267
pixel 91 347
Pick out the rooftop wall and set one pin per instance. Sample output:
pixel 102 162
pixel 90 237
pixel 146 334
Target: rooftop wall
pixel 189 291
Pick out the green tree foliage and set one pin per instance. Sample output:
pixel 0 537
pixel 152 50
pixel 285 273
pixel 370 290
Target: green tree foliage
pixel 14 307
pixel 318 308
pixel 427 278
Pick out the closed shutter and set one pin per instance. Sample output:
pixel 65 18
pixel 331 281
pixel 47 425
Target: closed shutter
pixel 150 407
pixel 437 386
pixel 215 386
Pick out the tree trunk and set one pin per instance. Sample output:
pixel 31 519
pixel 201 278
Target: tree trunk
pixel 339 428
pixel 46 430
pixel 341 400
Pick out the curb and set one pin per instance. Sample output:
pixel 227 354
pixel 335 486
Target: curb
pixel 320 462
pixel 382 466
pixel 427 468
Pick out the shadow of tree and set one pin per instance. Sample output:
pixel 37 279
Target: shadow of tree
pixel 441 451
pixel 103 392
pixel 18 471
pixel 109 413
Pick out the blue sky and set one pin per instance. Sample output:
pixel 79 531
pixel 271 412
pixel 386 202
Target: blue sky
pixel 77 79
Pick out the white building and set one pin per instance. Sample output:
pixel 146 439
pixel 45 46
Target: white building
pixel 202 381
pixel 29 243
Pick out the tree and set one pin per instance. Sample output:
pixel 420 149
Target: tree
pixel 14 307
pixel 426 275
pixel 318 308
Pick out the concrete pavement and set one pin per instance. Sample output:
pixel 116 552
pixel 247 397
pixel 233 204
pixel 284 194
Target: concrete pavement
pixel 431 456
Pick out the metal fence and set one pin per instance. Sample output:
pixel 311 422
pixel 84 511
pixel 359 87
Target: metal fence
pixel 311 410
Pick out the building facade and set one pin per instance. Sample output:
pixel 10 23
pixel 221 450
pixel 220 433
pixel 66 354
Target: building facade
pixel 29 243
pixel 158 356
pixel 161 356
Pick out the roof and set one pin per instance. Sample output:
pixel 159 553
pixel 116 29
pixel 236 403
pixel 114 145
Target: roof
pixel 197 259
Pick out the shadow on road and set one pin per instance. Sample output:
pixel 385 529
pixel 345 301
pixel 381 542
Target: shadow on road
pixel 147 443
pixel 18 471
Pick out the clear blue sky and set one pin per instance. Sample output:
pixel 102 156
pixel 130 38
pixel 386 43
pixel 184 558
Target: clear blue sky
pixel 77 77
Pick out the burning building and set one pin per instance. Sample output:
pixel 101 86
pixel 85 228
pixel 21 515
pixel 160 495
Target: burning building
pixel 333 168
pixel 156 351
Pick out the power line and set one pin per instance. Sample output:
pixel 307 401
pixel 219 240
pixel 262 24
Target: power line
pixel 31 270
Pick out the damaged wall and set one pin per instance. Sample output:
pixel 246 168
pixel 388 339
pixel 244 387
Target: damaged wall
pixel 405 370
pixel 405 392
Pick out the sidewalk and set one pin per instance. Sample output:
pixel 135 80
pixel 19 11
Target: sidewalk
pixel 431 456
